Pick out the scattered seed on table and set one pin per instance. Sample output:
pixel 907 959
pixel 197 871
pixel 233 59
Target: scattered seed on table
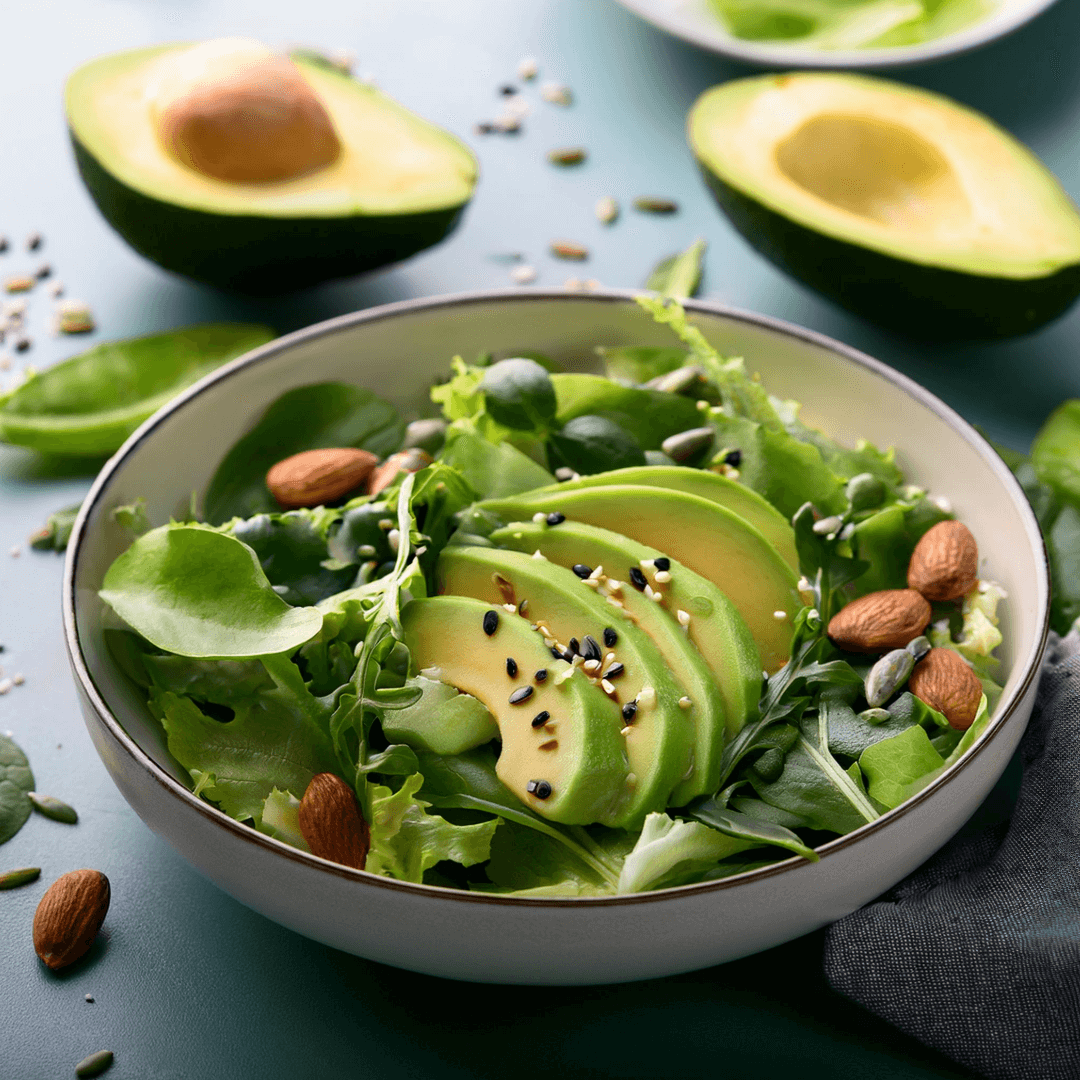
pixel 34 241
pixel 557 94
pixel 18 678
pixel 507 124
pixel 3 244
pixel 606 210
pixel 43 271
pixel 12 879
pixel 567 249
pixel 5 686
pixel 89 999
pixel 57 288
pixel 53 809
pixel 95 1064
pixel 650 204
pixel 74 317
pixel 523 275
pixel 18 284
pixel 567 155
pixel 484 128
pixel 21 344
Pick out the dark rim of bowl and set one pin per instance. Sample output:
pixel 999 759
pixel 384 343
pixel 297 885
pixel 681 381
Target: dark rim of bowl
pixel 390 311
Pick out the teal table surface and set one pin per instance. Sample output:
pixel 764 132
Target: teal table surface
pixel 188 983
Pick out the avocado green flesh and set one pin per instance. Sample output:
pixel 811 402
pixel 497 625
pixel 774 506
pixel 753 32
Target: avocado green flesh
pixel 738 498
pixel 897 203
pixel 399 186
pixel 714 658
pixel 659 739
pixel 579 752
pixel 704 537
pixel 443 721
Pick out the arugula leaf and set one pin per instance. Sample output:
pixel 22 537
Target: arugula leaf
pixel 56 533
pixel 307 418
pixel 16 781
pixel 680 274
pixel 89 404
pixel 900 766
pixel 195 592
pixel 406 840
pixel 713 812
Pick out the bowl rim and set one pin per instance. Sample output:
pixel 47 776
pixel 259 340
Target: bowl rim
pixel 984 32
pixel 464 300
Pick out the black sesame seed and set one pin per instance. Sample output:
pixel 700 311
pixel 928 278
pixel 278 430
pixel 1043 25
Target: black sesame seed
pixel 491 622
pixel 628 711
pixel 22 344
pixel 590 648
pixel 540 788
pixel 484 129
pixel 663 563
pixel 637 579
pixel 733 458
pixel 582 570
pixel 574 646
pixel 522 693
pixel 556 518
pixel 614 671
pixel 511 667
pixel 557 653
pixel 541 718
pixel 610 637
pixel 3 243
pixel 33 241
pixel 507 90
pixel 541 675
pixel 43 271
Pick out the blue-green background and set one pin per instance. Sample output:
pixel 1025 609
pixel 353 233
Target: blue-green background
pixel 187 982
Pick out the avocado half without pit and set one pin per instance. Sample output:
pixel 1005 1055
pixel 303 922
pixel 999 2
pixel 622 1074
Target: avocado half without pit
pixel 260 172
pixel 896 203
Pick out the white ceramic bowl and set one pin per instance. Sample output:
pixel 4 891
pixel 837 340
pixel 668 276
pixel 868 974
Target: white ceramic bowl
pixel 695 21
pixel 396 350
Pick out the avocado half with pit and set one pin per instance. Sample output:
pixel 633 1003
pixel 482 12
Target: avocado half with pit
pixel 896 203
pixel 259 172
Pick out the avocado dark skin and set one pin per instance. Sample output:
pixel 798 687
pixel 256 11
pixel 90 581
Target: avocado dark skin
pixel 927 304
pixel 236 253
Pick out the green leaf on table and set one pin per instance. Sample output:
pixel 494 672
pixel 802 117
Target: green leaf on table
pixel 16 782
pixel 195 592
pixel 640 363
pixel 679 275
pixel 1055 453
pixel 406 840
pixel 88 405
pixel 898 767
pixel 57 530
pixel 307 418
pixel 492 470
pixel 1063 544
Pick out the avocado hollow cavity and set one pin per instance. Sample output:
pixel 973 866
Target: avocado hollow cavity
pixel 234 111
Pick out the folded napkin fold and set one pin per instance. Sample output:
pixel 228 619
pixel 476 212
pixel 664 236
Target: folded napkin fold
pixel 977 953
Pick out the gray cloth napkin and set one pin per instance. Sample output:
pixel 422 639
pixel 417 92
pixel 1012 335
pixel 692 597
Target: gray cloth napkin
pixel 977 953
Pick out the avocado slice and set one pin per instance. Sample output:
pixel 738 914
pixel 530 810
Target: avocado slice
pixel 713 656
pixel 899 204
pixel 398 184
pixel 571 769
pixel 443 721
pixel 738 498
pixel 658 732
pixel 705 537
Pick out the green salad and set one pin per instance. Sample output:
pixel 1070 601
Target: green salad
pixel 579 635
pixel 849 24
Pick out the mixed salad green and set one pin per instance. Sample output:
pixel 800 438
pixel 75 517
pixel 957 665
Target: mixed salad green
pixel 361 639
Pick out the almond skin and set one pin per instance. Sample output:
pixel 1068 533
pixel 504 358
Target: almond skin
pixel 331 822
pixel 945 682
pixel 69 917
pixel 945 562
pixel 315 477
pixel 880 621
pixel 411 460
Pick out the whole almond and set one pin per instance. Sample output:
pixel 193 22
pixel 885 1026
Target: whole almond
pixel 944 681
pixel 331 822
pixel 69 917
pixel 314 477
pixel 880 621
pixel 945 562
pixel 411 460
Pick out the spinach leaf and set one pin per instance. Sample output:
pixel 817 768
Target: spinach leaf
pixel 886 539
pixel 849 735
pixel 640 363
pixel 88 405
pixel 519 394
pixel 307 418
pixel 712 812
pixel 16 781
pixel 680 274
pixel 649 415
pixel 492 470
pixel 899 766
pixel 1063 542
pixel 594 444
pixel 57 530
pixel 195 592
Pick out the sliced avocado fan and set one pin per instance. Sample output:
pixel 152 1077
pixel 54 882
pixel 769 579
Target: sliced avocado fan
pixel 700 635
pixel 897 203
pixel 642 695
pixel 701 535
pixel 561 754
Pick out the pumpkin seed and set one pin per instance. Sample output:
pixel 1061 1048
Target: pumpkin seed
pixel 687 444
pixel 919 647
pixel 95 1064
pixel 677 381
pixel 427 435
pixel 875 716
pixel 12 879
pixel 864 491
pixel 828 525
pixel 887 676
pixel 569 155
pixel 567 249
pixel 53 809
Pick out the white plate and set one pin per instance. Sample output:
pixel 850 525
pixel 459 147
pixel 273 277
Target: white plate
pixel 697 22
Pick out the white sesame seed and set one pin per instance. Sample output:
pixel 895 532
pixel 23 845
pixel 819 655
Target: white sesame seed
pixel 827 525
pixel 574 284
pixel 609 658
pixel 516 106
pixel 942 503
pixel 649 591
pixel 510 608
pixel 804 584
pixel 647 564
pixel 685 703
pixel 683 617
pixel 625 731
pixel 5 685
pixel 538 555
pixel 563 675
pixel 606 210
pixel 631 779
pixel 578 660
pixel 657 597
pixel 528 68
pixel 591 666
pixel 549 641
pixel 393 538
pixel 646 698
pixel 613 602
pixel 614 585
pixel 779 615
pixel 592 582
pixel 663 577
pixel 539 518
pixel 607 687
pixel 556 93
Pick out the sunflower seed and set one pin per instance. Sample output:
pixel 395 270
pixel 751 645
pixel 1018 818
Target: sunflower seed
pixel 685 445
pixel 650 204
pixel 569 155
pixel 95 1064
pixel 567 249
